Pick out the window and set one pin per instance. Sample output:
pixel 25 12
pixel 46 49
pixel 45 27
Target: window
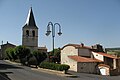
pixel 33 33
pixel 27 33
pixel 81 67
pixel 84 64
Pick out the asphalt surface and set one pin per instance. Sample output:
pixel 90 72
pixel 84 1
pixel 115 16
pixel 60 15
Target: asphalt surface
pixel 10 71
pixel 18 72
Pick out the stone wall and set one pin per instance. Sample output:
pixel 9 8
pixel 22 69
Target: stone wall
pixel 87 67
pixel 69 51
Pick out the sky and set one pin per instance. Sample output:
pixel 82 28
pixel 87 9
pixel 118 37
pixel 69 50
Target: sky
pixel 82 21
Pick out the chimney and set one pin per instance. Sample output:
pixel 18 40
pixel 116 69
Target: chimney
pixel 82 44
pixel 92 47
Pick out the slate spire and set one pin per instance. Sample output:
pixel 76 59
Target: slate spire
pixel 30 22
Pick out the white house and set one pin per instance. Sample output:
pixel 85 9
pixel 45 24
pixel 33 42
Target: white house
pixel 86 59
pixel 107 58
pixel 79 58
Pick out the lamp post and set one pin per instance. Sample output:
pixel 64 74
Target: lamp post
pixel 50 24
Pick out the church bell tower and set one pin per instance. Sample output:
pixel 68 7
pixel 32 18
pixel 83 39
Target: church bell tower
pixel 30 32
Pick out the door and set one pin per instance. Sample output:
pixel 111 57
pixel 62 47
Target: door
pixel 103 71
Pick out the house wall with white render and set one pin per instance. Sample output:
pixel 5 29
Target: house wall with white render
pixel 98 56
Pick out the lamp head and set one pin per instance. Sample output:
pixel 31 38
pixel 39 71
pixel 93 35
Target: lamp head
pixel 48 33
pixel 59 33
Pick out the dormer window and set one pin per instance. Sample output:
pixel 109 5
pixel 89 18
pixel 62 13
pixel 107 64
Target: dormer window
pixel 33 33
pixel 27 33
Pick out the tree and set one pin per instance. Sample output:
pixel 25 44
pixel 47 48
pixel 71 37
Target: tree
pixel 11 54
pixel 117 53
pixel 40 56
pixel 7 51
pixel 22 52
pixel 56 56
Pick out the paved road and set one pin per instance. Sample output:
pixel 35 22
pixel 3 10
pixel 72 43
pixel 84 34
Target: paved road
pixel 17 72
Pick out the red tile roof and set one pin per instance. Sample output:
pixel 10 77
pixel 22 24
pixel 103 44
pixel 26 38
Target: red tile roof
pixel 83 59
pixel 107 55
pixel 104 65
pixel 78 46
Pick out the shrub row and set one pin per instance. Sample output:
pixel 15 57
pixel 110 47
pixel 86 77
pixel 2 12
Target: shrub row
pixel 54 66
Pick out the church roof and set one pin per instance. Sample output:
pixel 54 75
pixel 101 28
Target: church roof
pixel 30 22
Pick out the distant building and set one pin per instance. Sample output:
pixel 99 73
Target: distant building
pixel 42 49
pixel 3 48
pixel 98 48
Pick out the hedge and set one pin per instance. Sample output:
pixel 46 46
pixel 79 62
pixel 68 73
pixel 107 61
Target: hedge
pixel 54 66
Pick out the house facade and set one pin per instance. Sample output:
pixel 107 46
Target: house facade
pixel 3 48
pixel 79 58
pixel 86 59
pixel 108 59
pixel 112 61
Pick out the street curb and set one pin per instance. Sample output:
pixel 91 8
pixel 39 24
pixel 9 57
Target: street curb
pixel 59 73
pixel 54 71
pixel 12 62
pixel 49 71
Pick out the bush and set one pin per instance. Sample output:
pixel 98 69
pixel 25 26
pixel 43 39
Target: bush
pixel 54 66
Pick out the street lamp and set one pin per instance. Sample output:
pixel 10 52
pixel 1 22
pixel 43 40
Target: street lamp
pixel 50 24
